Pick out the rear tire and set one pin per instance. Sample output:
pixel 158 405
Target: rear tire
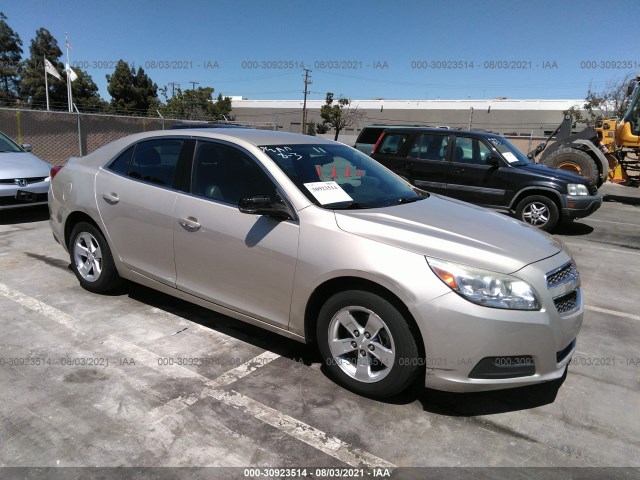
pixel 538 211
pixel 575 161
pixel 91 259
pixel 385 359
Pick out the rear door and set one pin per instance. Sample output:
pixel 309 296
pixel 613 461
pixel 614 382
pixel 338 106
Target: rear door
pixel 392 152
pixel 427 162
pixel 136 196
pixel 472 178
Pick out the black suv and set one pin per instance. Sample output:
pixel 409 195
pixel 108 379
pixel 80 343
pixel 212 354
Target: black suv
pixel 486 169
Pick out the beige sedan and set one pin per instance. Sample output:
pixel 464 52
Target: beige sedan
pixel 318 242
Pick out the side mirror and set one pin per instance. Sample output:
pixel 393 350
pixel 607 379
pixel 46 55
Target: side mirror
pixel 494 161
pixel 262 205
pixel 26 147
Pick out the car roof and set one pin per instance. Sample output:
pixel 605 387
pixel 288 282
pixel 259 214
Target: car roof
pixel 447 131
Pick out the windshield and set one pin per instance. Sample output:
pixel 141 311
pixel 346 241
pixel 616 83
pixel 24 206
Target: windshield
pixel 336 176
pixel 7 145
pixel 509 151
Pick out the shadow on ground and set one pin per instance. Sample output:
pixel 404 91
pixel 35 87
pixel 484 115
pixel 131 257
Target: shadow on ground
pixel 24 215
pixel 442 403
pixel 634 201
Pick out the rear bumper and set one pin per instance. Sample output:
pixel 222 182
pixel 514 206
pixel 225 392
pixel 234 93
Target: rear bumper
pixel 580 206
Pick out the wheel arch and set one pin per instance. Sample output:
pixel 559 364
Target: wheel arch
pixel 332 286
pixel 595 153
pixel 552 194
pixel 73 219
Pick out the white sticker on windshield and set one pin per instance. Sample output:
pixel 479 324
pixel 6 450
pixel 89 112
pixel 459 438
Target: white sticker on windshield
pixel 511 158
pixel 328 192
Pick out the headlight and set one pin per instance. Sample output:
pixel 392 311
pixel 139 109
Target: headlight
pixel 486 288
pixel 577 189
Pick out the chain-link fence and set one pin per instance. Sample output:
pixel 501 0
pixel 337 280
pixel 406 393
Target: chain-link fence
pixel 56 136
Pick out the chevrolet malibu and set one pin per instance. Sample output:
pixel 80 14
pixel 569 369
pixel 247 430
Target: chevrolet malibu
pixel 316 241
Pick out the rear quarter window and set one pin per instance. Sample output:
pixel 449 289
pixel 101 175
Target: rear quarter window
pixel 370 135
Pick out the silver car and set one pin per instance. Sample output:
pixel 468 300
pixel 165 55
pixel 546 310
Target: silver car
pixel 24 178
pixel 316 241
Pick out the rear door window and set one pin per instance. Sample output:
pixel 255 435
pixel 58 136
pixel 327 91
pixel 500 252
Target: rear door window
pixel 430 147
pixel 392 143
pixel 155 161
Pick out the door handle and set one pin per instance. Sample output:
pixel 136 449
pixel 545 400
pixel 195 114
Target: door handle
pixel 460 170
pixel 407 166
pixel 111 198
pixel 190 224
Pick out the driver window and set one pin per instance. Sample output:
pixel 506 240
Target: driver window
pixel 226 174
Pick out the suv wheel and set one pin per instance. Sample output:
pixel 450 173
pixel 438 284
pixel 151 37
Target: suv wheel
pixel 538 211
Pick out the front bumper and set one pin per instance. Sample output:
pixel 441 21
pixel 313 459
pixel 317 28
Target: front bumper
pixel 34 194
pixel 471 348
pixel 580 206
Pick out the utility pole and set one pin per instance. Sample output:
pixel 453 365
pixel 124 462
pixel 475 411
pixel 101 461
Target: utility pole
pixel 307 82
pixel 193 84
pixel 173 88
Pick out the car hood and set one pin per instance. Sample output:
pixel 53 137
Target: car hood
pixel 22 165
pixel 452 230
pixel 545 172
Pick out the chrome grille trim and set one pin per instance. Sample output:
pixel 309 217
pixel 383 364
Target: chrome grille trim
pixel 566 273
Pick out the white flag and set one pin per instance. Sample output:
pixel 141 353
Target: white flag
pixel 72 75
pixel 50 69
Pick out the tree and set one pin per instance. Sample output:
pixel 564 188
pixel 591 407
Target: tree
pixel 85 93
pixel 131 91
pixel 10 59
pixel 611 102
pixel 32 87
pixel 340 114
pixel 322 128
pixel 311 129
pixel 196 104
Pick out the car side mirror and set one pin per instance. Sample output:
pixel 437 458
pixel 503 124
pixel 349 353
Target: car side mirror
pixel 493 161
pixel 262 205
pixel 26 147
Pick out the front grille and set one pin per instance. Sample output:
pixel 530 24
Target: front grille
pixel 562 275
pixel 567 303
pixel 30 180
pixel 593 189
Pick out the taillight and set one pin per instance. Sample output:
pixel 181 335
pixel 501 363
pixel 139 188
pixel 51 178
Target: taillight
pixel 54 171
pixel 375 147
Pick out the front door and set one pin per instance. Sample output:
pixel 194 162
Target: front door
pixel 240 261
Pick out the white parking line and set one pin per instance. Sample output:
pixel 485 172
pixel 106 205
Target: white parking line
pixel 595 247
pixel 297 429
pixel 611 221
pixel 612 312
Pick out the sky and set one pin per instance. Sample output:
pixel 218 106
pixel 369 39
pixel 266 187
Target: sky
pixel 257 49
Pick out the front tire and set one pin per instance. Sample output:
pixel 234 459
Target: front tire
pixel 366 344
pixel 575 161
pixel 91 259
pixel 538 211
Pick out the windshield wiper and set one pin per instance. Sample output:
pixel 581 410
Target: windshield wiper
pixel 346 205
pixel 402 200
